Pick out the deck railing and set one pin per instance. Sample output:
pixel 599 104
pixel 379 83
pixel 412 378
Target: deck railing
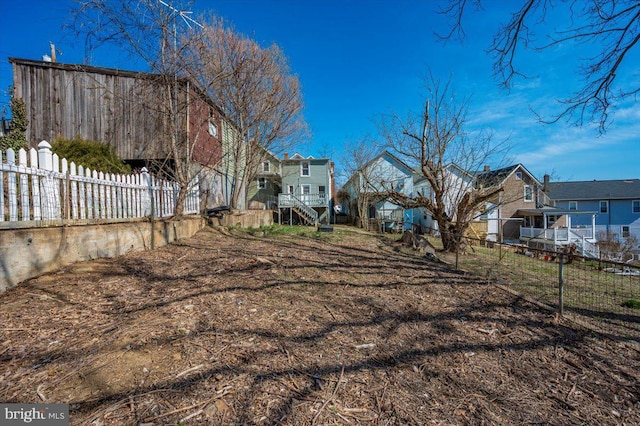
pixel 311 200
pixel 564 236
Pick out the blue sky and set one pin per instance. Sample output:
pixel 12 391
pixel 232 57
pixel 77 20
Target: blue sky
pixel 359 59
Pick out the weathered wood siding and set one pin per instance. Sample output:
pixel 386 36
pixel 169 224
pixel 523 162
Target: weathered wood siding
pixel 127 110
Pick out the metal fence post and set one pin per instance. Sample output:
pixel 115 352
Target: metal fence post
pixel 456 240
pixel 561 284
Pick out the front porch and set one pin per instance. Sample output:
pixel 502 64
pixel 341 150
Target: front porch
pixel 549 228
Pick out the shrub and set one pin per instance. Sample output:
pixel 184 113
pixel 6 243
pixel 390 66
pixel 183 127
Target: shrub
pixel 16 137
pixel 90 154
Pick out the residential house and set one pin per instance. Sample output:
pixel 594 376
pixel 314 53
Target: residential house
pixel 125 109
pixel 523 213
pixel 307 189
pixel 421 219
pixel 520 191
pixel 368 189
pixel 264 189
pixel 615 204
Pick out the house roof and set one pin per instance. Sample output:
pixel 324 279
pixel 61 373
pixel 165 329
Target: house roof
pixel 390 157
pixel 498 176
pixel 82 68
pixel 595 190
pixel 114 72
pixel 395 159
pixel 298 157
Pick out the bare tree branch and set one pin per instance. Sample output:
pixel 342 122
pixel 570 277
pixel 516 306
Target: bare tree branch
pixel 436 143
pixel 611 26
pixel 256 90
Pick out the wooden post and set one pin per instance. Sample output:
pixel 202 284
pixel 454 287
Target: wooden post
pixel 66 189
pixel 91 206
pixel 12 192
pixel 74 191
pixel 24 185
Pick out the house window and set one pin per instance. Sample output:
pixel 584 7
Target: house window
pixel 528 193
pixel 604 207
pixel 304 168
pixel 266 166
pixel 262 183
pixel 213 129
pixel 573 205
pixel 635 206
pixel 290 189
pixel 519 175
pixel 625 232
pixel 305 189
pixel 321 190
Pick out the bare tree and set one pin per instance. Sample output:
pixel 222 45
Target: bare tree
pixel 612 247
pixel 610 27
pixel 148 31
pixel 257 92
pixel 436 143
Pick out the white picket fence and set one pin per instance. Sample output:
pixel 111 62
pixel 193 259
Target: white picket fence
pixel 39 189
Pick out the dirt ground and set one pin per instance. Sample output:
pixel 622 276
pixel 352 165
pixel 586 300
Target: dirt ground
pixel 339 328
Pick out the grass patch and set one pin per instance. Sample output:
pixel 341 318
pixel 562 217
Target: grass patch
pixel 631 304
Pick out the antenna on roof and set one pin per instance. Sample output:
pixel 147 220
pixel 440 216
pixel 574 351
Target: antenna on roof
pixel 183 14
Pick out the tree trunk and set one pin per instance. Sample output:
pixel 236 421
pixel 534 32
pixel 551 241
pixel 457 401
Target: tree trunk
pixel 179 207
pixel 450 235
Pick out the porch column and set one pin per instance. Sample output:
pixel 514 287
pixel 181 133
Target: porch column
pixel 593 226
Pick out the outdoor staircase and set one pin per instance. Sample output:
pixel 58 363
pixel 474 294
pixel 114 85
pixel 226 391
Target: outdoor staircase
pixel 585 247
pixel 306 213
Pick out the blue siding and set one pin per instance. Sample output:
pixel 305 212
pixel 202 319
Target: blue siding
pixel 620 212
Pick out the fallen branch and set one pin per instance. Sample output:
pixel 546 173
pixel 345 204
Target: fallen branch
pixel 190 416
pixel 365 346
pixel 191 407
pixel 189 370
pixel 490 331
pixel 330 312
pixel 335 390
pixel 40 394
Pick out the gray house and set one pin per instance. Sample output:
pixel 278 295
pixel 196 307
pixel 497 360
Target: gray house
pixel 307 190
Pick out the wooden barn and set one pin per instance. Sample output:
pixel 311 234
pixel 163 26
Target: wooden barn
pixel 137 113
